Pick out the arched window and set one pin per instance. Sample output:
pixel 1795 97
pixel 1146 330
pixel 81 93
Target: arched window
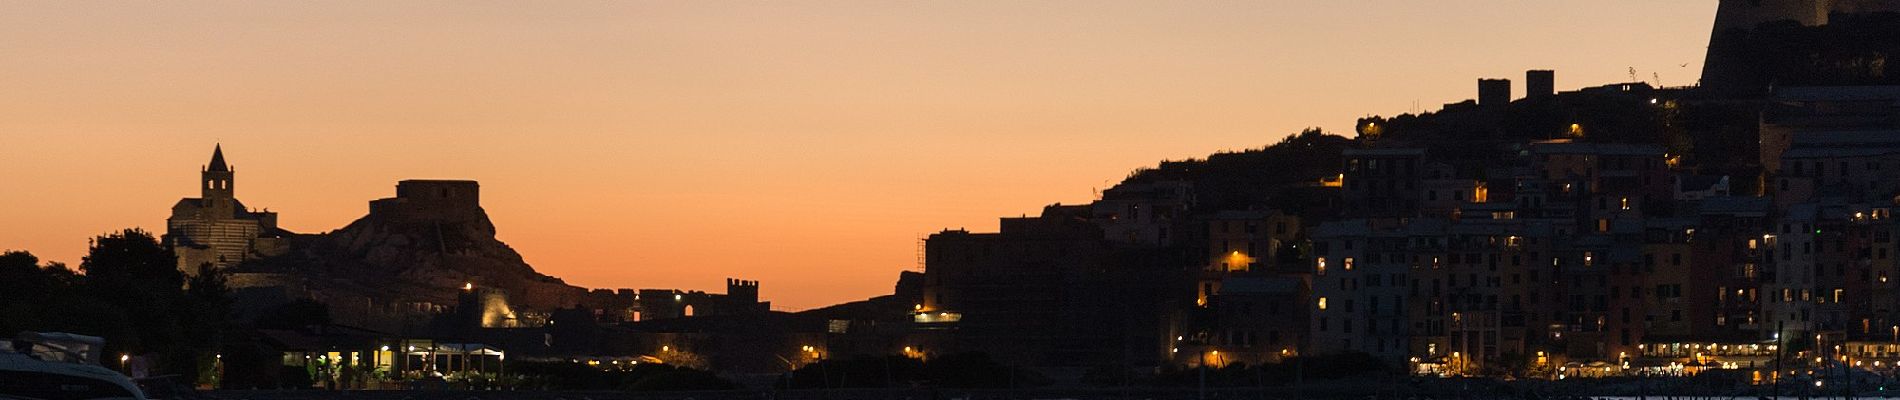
pixel 689 311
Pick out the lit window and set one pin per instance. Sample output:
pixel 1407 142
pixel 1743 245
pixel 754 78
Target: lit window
pixel 1348 264
pixel 1319 266
pixel 1322 303
pixel 1626 203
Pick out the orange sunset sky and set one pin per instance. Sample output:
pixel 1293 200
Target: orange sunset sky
pixel 804 144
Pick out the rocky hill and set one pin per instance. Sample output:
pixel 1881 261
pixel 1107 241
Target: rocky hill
pixel 422 246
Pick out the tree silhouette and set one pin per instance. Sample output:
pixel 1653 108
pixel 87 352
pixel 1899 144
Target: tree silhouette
pixel 129 292
pixel 131 271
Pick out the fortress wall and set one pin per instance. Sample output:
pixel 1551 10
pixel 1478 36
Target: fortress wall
pixel 1747 14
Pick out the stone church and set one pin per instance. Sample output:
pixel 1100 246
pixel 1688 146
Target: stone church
pixel 215 228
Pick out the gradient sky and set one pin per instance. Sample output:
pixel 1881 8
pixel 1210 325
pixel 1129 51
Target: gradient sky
pixel 805 144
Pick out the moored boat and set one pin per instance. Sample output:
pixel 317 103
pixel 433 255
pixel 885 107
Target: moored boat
pixel 60 366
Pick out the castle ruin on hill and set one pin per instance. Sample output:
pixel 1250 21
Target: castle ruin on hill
pixel 426 254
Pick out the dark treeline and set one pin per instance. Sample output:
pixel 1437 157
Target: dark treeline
pixel 1268 176
pixel 128 290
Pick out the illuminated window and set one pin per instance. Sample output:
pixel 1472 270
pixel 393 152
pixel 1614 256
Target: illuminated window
pixel 1319 266
pixel 1626 203
pixel 1589 258
pixel 1322 303
pixel 1837 295
pixel 1348 264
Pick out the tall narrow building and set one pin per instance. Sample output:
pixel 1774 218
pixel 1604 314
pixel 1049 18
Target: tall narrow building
pixel 215 228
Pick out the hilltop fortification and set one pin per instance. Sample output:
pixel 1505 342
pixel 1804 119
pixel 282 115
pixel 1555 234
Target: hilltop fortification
pixel 1746 14
pixel 1759 44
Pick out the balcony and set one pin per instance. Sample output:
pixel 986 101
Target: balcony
pixel 937 317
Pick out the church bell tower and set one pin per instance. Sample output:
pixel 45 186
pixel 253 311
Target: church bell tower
pixel 216 178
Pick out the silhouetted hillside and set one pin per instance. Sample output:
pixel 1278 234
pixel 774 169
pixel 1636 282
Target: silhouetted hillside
pixel 402 256
pixel 1271 175
pixel 1472 135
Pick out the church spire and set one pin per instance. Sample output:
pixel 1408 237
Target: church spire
pixel 217 160
pixel 217 177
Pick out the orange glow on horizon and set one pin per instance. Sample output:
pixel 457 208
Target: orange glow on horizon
pixel 805 145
